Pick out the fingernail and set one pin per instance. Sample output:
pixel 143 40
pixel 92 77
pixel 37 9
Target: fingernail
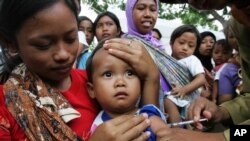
pixel 148 133
pixel 148 121
pixel 195 118
pixel 105 45
pixel 145 115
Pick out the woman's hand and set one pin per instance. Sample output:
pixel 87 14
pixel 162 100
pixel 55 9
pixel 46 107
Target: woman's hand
pixel 123 128
pixel 135 54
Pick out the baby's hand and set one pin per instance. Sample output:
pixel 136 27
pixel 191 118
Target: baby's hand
pixel 178 91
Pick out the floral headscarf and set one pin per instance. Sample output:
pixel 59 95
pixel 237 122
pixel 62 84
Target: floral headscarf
pixel 132 28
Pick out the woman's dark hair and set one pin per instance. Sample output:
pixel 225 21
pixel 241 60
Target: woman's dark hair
pixel 185 28
pixel 84 18
pixel 112 16
pixel 157 31
pixel 207 33
pixel 205 60
pixel 13 14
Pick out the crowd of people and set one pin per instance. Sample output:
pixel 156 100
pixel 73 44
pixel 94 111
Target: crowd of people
pixel 57 84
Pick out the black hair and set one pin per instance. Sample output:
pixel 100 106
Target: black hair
pixel 84 18
pixel 185 28
pixel 112 16
pixel 207 33
pixel 225 45
pixel 157 31
pixel 13 14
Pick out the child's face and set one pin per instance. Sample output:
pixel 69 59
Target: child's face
pixel 220 54
pixel 145 15
pixel 86 26
pixel 156 35
pixel 115 84
pixel 184 45
pixel 105 28
pixel 46 47
pixel 206 46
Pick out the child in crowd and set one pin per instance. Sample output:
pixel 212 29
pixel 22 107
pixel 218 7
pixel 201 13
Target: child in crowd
pixel 85 25
pixel 184 41
pixel 156 34
pixel 222 52
pixel 229 83
pixel 117 87
pixel 107 25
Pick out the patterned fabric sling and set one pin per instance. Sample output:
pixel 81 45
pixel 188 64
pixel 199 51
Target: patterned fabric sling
pixel 175 73
pixel 40 110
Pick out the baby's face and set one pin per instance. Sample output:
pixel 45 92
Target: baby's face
pixel 220 54
pixel 116 85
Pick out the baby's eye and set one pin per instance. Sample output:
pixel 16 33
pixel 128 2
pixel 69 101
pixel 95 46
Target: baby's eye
pixel 107 74
pixel 130 72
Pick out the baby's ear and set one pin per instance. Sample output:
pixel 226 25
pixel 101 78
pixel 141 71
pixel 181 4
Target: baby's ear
pixel 90 89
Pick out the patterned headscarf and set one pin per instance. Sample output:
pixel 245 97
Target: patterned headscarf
pixel 132 28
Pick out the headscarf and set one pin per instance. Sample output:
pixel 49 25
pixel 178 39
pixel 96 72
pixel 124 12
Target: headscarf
pixel 132 28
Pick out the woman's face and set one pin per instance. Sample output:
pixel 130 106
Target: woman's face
pixel 145 15
pixel 87 27
pixel 105 28
pixel 206 46
pixel 47 48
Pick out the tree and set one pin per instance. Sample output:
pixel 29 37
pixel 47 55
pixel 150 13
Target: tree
pixel 171 10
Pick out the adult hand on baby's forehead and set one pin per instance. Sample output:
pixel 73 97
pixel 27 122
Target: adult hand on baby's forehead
pixel 135 54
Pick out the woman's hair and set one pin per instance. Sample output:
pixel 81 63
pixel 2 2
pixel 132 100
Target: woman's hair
pixel 185 28
pixel 207 33
pixel 110 15
pixel 13 14
pixel 84 18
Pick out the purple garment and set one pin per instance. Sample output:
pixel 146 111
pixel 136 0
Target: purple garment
pixel 229 79
pixel 164 84
pixel 132 28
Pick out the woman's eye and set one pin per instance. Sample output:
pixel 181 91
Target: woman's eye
pixel 42 46
pixel 107 74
